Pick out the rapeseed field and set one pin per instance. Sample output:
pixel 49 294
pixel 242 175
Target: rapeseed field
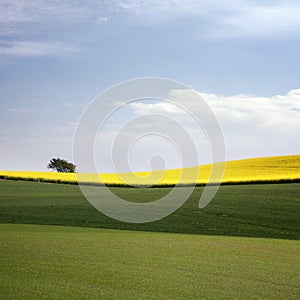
pixel 265 169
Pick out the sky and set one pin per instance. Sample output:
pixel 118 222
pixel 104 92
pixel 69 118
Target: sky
pixel 242 56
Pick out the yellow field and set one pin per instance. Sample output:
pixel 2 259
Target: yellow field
pixel 254 169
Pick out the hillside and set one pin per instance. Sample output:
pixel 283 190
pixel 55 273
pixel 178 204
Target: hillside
pixel 265 169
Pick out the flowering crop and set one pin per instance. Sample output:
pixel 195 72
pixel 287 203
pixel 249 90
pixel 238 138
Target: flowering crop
pixel 265 169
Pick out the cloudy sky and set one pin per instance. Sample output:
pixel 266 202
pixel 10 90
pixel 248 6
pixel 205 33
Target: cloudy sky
pixel 55 56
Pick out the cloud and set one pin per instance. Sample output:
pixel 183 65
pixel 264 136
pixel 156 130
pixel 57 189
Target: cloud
pixel 140 108
pixel 252 125
pixel 223 19
pixel 278 112
pixel 20 11
pixel 35 48
pixel 25 11
pixel 215 19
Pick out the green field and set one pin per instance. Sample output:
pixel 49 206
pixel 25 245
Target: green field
pixel 270 210
pixel 243 245
pixel 49 262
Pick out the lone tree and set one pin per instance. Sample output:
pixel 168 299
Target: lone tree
pixel 61 165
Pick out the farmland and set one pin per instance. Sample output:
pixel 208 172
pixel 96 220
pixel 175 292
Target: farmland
pixel 50 262
pixel 265 210
pixel 244 245
pixel 260 170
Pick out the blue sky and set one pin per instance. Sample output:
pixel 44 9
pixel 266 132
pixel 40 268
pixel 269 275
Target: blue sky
pixel 55 56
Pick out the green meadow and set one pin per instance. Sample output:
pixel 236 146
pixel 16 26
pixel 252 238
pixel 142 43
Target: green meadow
pixel 50 262
pixel 266 210
pixel 243 245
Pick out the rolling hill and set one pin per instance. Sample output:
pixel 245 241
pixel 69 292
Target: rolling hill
pixel 258 170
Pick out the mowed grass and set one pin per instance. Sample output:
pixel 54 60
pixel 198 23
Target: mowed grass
pixel 264 169
pixel 240 210
pixel 49 262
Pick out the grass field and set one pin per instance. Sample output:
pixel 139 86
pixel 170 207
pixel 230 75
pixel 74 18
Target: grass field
pixel 49 262
pixel 241 210
pixel 243 245
pixel 265 169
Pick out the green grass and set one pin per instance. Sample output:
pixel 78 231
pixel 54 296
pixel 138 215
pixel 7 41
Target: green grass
pixel 63 262
pixel 244 210
pixel 49 262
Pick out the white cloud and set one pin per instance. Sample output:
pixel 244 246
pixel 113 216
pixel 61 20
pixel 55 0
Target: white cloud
pixel 261 112
pixel 218 19
pixel 140 108
pixel 252 126
pixel 223 19
pixel 35 48
pixel 258 126
pixel 20 11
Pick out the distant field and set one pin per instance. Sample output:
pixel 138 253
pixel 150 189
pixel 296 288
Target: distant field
pixel 49 262
pixel 266 169
pixel 270 210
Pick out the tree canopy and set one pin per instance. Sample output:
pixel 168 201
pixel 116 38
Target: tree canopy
pixel 61 165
